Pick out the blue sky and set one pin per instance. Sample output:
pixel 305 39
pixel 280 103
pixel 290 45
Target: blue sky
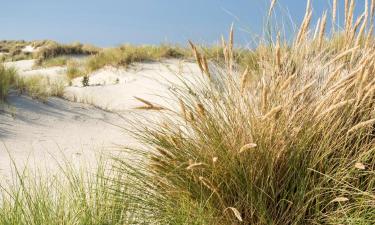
pixel 112 22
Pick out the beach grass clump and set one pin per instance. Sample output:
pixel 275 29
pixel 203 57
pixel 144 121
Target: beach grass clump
pixel 128 54
pixel 57 61
pixel 40 87
pixel 75 69
pixel 7 77
pixel 288 141
pixel 53 50
pixel 13 50
pixel 74 196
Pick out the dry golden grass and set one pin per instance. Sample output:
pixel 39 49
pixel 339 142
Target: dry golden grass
pixel 290 140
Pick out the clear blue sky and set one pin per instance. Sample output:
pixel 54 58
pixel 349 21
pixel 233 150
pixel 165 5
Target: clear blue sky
pixel 112 22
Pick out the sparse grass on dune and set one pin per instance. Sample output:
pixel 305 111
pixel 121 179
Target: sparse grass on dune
pixel 39 87
pixel 36 86
pixel 7 77
pixel 128 54
pixel 290 141
pixel 12 50
pixel 57 61
pixel 54 50
pixel 75 69
pixel 75 196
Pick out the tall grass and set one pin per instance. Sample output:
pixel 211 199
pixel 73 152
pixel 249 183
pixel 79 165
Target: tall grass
pixel 127 54
pixel 75 69
pixel 57 61
pixel 40 87
pixel 75 196
pixel 53 50
pixel 7 76
pixel 288 141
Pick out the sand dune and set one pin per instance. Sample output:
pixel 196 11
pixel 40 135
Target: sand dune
pixel 39 134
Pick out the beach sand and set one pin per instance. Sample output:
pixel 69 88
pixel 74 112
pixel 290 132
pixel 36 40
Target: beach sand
pixel 88 121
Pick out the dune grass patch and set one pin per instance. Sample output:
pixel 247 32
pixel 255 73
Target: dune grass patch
pixel 7 77
pixel 74 196
pixel 128 54
pixel 40 87
pixel 75 69
pixel 55 50
pixel 57 61
pixel 287 141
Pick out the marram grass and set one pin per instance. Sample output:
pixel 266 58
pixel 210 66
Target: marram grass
pixel 289 140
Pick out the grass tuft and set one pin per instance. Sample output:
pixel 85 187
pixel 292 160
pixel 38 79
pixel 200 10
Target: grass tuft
pixel 7 78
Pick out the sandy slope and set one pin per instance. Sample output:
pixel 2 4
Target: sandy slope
pixel 114 89
pixel 38 134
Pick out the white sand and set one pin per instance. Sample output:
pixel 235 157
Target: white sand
pixel 37 134
pixel 114 89
pixel 29 49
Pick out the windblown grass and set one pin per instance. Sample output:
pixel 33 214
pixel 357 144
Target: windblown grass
pixel 75 69
pixel 57 61
pixel 76 196
pixel 53 50
pixel 128 54
pixel 39 87
pixel 12 50
pixel 7 77
pixel 288 141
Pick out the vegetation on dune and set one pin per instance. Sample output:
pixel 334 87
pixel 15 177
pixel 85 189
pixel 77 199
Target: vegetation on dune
pixel 39 87
pixel 7 77
pixel 57 61
pixel 75 69
pixel 13 50
pixel 36 86
pixel 74 197
pixel 128 54
pixel 54 50
pixel 289 140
